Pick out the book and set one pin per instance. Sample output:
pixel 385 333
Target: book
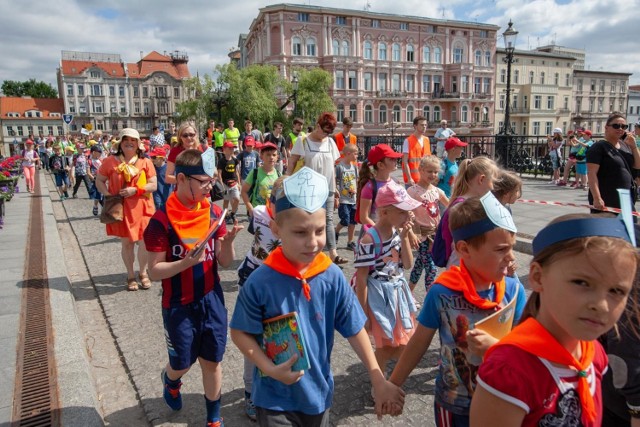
pixel 282 337
pixel 202 243
pixel 500 323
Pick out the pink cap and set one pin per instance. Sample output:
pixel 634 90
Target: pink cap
pixel 394 194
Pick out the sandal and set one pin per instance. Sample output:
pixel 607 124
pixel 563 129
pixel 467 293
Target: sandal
pixel 145 282
pixel 339 260
pixel 132 284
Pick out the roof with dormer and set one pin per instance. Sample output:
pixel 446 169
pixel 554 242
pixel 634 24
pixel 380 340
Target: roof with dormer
pixel 21 105
pixel 156 62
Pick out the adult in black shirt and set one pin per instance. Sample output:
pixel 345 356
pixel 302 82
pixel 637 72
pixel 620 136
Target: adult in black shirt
pixel 612 164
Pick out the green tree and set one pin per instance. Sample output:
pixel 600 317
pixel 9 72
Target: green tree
pixel 31 87
pixel 313 89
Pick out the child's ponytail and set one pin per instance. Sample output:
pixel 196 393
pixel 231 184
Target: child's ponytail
pixel 469 169
pixel 364 175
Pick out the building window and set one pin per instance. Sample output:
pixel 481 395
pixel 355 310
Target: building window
pixel 353 81
pixel 136 107
pixel 136 91
pixel 382 51
pixel 486 85
pixel 382 116
pixel 436 84
pixel 112 91
pixel 623 87
pixel 368 50
pixel 454 84
pixel 426 83
pixel 477 84
pixel 487 58
pixel 457 55
pixel 335 44
pixel 346 51
pixel 96 90
pixel 49 130
pixel 395 52
pixel 567 79
pixel 556 79
pixel 410 113
pixel 353 112
pixel 601 86
pixel 426 54
pixel 395 82
pixel 80 90
pixel 368 77
pixel 341 20
pixel 437 55
pixel 410 55
pixel 536 128
pixel 537 102
pixel 311 46
pixel 547 128
pixel 501 104
pixel 478 58
pixel 303 17
pixel 296 46
pixel 516 76
pixel 59 129
pixel 95 74
pixel 410 82
pixel 550 102
pixel 464 115
pixel 613 86
pixel 426 113
pixel 145 92
pixel 147 108
pixel 566 103
pixel 368 114
pixel 340 113
pixel 339 79
pixel 593 85
pixel 176 92
pixel 503 76
pixel 532 77
pixel 72 108
pixel 454 114
pixel 121 91
pixel 98 107
pixel 483 33
pixel 436 113
pixel 69 90
pixel 375 23
pixel 123 109
pixel 465 84
pixel 20 131
pixel 404 26
pixel 579 85
pixel 382 81
pixel 542 78
pixel 395 117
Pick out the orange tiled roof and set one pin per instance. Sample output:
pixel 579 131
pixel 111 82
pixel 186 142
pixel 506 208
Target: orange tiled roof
pixel 10 104
pixel 156 62
pixel 74 68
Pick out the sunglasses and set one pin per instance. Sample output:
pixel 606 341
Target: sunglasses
pixel 328 130
pixel 618 126
pixel 188 135
pixel 204 183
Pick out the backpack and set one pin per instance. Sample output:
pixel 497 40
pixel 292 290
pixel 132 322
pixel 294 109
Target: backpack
pixel 374 189
pixel 254 183
pixel 377 250
pixel 439 246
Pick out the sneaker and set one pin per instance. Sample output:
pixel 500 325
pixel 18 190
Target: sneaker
pixel 62 198
pixel 574 185
pixel 250 408
pixel 172 396
pixel 216 423
pixel 95 211
pixel 352 246
pixel 561 183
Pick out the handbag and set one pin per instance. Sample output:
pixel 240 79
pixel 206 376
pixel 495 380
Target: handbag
pixel 300 162
pixel 217 192
pixel 113 209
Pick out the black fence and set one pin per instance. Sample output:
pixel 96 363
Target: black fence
pixel 524 154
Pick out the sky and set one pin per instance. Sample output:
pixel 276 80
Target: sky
pixel 34 32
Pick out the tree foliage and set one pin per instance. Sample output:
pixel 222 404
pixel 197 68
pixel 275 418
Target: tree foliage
pixel 313 98
pixel 30 88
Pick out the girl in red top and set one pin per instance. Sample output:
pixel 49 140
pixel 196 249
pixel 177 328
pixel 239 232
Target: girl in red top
pixel 187 139
pixel 548 370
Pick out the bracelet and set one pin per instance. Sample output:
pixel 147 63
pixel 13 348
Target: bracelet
pixel 140 192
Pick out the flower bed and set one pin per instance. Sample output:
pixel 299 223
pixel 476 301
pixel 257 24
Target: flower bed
pixel 10 171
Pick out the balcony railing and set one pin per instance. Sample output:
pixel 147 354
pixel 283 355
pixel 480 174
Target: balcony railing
pixel 391 94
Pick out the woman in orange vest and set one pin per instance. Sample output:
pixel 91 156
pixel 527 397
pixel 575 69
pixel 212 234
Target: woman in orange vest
pixel 415 147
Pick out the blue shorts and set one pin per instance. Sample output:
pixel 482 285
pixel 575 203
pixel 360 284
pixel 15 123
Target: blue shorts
pixel 94 194
pixel 581 168
pixel 62 178
pixel 196 330
pixel 347 214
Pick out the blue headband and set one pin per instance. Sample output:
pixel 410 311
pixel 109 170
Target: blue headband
pixel 579 228
pixel 190 170
pixel 472 230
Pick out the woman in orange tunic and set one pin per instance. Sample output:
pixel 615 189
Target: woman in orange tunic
pixel 132 176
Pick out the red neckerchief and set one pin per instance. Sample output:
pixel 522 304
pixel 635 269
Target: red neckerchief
pixel 281 264
pixel 533 338
pixel 458 279
pixel 190 224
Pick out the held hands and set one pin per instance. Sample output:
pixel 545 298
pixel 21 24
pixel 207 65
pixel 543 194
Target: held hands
pixel 479 341
pixel 283 372
pixel 389 399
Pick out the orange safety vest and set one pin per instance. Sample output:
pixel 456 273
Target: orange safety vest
pixel 416 153
pixel 340 143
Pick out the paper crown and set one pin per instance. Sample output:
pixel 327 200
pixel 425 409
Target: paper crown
pixel 208 165
pixel 497 217
pixel 305 189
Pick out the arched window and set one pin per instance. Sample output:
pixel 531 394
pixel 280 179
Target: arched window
pixel 464 116
pixel 437 55
pixel 395 52
pixel 426 112
pixel 368 114
pixel 296 46
pixel 336 47
pixel 478 57
pixel 345 48
pixel 458 53
pixel 410 114
pixel 396 114
pixel 353 112
pixel 410 56
pixel 382 51
pixel 382 118
pixel 476 114
pixel 340 112
pixel 311 46
pixel 426 54
pixel 436 113
pixel 368 50
pixel 487 58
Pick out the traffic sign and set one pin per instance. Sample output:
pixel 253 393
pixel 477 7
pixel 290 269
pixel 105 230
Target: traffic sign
pixel 68 118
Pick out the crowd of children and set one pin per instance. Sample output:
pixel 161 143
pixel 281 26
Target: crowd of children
pixel 547 370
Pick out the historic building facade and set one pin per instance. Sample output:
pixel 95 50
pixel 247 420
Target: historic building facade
pixel 102 91
pixel 386 68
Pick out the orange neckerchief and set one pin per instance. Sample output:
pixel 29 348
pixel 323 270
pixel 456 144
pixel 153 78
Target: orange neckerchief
pixel 128 169
pixel 281 264
pixel 190 225
pixel 458 279
pixel 533 338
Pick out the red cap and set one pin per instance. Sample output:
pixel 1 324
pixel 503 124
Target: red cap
pixel 587 132
pixel 28 142
pixel 258 145
pixel 249 141
pixel 228 144
pixel 268 145
pixel 453 142
pixel 158 152
pixel 381 152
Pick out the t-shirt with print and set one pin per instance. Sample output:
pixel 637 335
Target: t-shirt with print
pixel 546 392
pixel 427 215
pixel 227 168
pixel 447 175
pixel 80 164
pixel 263 239
pixel 320 156
pixel 57 164
pixel 262 190
pixel 452 316
pixel 387 265
pixel 94 165
pixel 367 193
pixel 347 183
pixel 248 162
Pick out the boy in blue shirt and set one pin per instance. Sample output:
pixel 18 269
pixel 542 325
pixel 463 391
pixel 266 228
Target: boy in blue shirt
pixel 193 311
pixel 453 147
pixel 298 276
pixel 484 235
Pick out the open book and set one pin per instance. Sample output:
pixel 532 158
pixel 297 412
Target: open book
pixel 500 323
pixel 282 338
pixel 202 243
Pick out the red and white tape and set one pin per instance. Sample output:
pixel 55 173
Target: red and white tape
pixel 574 205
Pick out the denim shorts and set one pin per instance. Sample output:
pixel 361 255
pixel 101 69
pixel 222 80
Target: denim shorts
pixel 62 178
pixel 198 329
pixel 347 214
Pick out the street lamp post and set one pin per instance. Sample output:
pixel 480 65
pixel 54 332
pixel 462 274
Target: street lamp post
pixel 392 126
pixel 295 82
pixel 503 141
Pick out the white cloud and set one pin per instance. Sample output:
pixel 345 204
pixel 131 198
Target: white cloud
pixel 35 32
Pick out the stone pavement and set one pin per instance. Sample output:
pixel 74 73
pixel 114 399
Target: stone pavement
pixel 124 339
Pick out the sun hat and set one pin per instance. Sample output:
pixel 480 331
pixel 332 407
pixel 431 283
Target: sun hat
pixel 557 130
pixel 131 133
pixel 394 194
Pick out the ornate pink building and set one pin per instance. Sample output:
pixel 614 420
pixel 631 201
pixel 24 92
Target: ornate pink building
pixel 386 68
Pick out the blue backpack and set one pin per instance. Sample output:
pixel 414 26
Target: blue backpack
pixel 377 250
pixel 439 247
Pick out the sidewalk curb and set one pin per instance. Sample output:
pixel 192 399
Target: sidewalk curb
pixel 78 399
pixel 523 243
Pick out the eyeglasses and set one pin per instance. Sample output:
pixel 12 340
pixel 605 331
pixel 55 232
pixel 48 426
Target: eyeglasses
pixel 204 183
pixel 328 131
pixel 618 126
pixel 188 135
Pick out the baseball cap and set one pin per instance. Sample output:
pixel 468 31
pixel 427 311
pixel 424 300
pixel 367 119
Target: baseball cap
pixel 453 142
pixel 557 130
pixel 228 144
pixel 380 152
pixel 394 194
pixel 96 148
pixel 249 141
pixel 28 142
pixel 158 152
pixel 587 132
pixel 268 145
